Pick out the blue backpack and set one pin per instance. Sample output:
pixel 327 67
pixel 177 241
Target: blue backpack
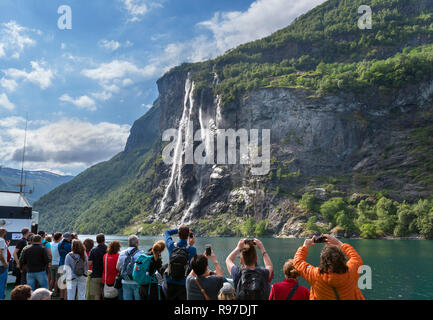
pixel 140 273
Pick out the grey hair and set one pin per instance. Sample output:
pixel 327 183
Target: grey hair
pixel 41 294
pixel 133 241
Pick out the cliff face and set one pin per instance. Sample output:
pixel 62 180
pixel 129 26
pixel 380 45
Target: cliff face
pixel 312 138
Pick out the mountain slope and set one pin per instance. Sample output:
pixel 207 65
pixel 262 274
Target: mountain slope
pixel 350 113
pixel 41 182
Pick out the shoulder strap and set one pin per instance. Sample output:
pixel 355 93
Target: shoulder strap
pixel 336 293
pixel 292 292
pixel 201 289
pixel 132 252
pixel 106 262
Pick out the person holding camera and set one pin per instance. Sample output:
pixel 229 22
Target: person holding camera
pixel 180 256
pixel 250 281
pixel 337 277
pixel 202 284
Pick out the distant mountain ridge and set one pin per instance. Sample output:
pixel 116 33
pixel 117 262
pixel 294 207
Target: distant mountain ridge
pixel 41 181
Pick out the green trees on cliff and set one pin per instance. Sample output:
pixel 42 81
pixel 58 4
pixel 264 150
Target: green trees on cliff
pixel 372 219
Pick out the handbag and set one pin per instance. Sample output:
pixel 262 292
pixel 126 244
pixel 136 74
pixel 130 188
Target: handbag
pixel 110 292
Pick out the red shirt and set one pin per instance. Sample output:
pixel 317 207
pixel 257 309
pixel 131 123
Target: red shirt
pixel 111 267
pixel 87 254
pixel 281 290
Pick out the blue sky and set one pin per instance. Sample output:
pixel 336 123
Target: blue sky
pixel 83 88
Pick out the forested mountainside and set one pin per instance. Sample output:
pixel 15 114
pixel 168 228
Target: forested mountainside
pixel 351 119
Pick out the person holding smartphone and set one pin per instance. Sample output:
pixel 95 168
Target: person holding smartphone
pixel 201 283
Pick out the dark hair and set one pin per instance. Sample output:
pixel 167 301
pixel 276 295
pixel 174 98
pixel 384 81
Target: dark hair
pixel 3 231
pixel 41 233
pixel 88 244
pixel 48 238
pixel 57 236
pixel 183 232
pixel 78 248
pixel 21 292
pixel 30 237
pixel 289 270
pixel 100 238
pixel 36 238
pixel 113 247
pixel 332 259
pixel 249 254
pixel 24 231
pixel 199 264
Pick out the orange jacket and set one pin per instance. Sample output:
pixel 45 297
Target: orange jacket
pixel 346 284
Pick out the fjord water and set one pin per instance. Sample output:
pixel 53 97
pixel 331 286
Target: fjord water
pixel 401 269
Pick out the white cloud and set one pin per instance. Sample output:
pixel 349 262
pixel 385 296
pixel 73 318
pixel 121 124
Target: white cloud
pixel 8 84
pixel 5 103
pixel 136 9
pixel 83 102
pixel 66 144
pixel 14 39
pixel 127 82
pixel 103 95
pixel 109 45
pixel 262 18
pixel 39 75
pixel 117 69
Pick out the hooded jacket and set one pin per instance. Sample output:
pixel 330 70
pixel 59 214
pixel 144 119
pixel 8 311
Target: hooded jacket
pixel 322 285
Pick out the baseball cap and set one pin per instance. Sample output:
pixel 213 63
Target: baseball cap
pixel 67 235
pixel 227 288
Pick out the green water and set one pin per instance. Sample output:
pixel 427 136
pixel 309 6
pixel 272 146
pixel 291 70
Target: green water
pixel 401 269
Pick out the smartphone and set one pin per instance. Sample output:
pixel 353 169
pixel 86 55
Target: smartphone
pixel 191 235
pixel 208 250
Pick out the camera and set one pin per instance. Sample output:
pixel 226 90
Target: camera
pixel 208 250
pixel 249 241
pixel 191 235
pixel 319 239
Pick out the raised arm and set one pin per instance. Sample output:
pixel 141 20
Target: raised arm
pixel 218 270
pixel 230 260
pixel 306 270
pixel 266 259
pixel 355 260
pixel 168 239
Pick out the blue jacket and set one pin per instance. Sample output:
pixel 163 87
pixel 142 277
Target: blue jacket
pixel 192 251
pixel 67 247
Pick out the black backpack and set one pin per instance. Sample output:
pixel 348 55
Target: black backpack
pixel 178 264
pixel 251 286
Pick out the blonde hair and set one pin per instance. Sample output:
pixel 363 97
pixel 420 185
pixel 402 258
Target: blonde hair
pixel 289 270
pixel 226 296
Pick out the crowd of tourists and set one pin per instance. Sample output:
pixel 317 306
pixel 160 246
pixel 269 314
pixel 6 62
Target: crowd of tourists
pixel 63 266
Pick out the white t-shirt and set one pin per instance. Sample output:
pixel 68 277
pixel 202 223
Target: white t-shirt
pixel 55 253
pixel 4 247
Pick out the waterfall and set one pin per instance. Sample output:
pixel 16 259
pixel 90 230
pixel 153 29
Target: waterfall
pixel 178 152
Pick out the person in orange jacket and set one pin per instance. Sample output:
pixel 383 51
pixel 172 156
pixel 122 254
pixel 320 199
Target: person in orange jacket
pixel 337 277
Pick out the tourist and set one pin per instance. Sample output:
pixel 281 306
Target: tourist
pixel 96 263
pixel 154 290
pixel 17 253
pixel 23 269
pixel 202 284
pixel 55 263
pixel 47 245
pixel 227 292
pixel 41 294
pixel 337 277
pixel 109 271
pixel 125 265
pixel 250 275
pixel 88 244
pixel 289 289
pixel 180 255
pixel 76 272
pixel 21 292
pixel 4 265
pixel 36 260
pixel 64 248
